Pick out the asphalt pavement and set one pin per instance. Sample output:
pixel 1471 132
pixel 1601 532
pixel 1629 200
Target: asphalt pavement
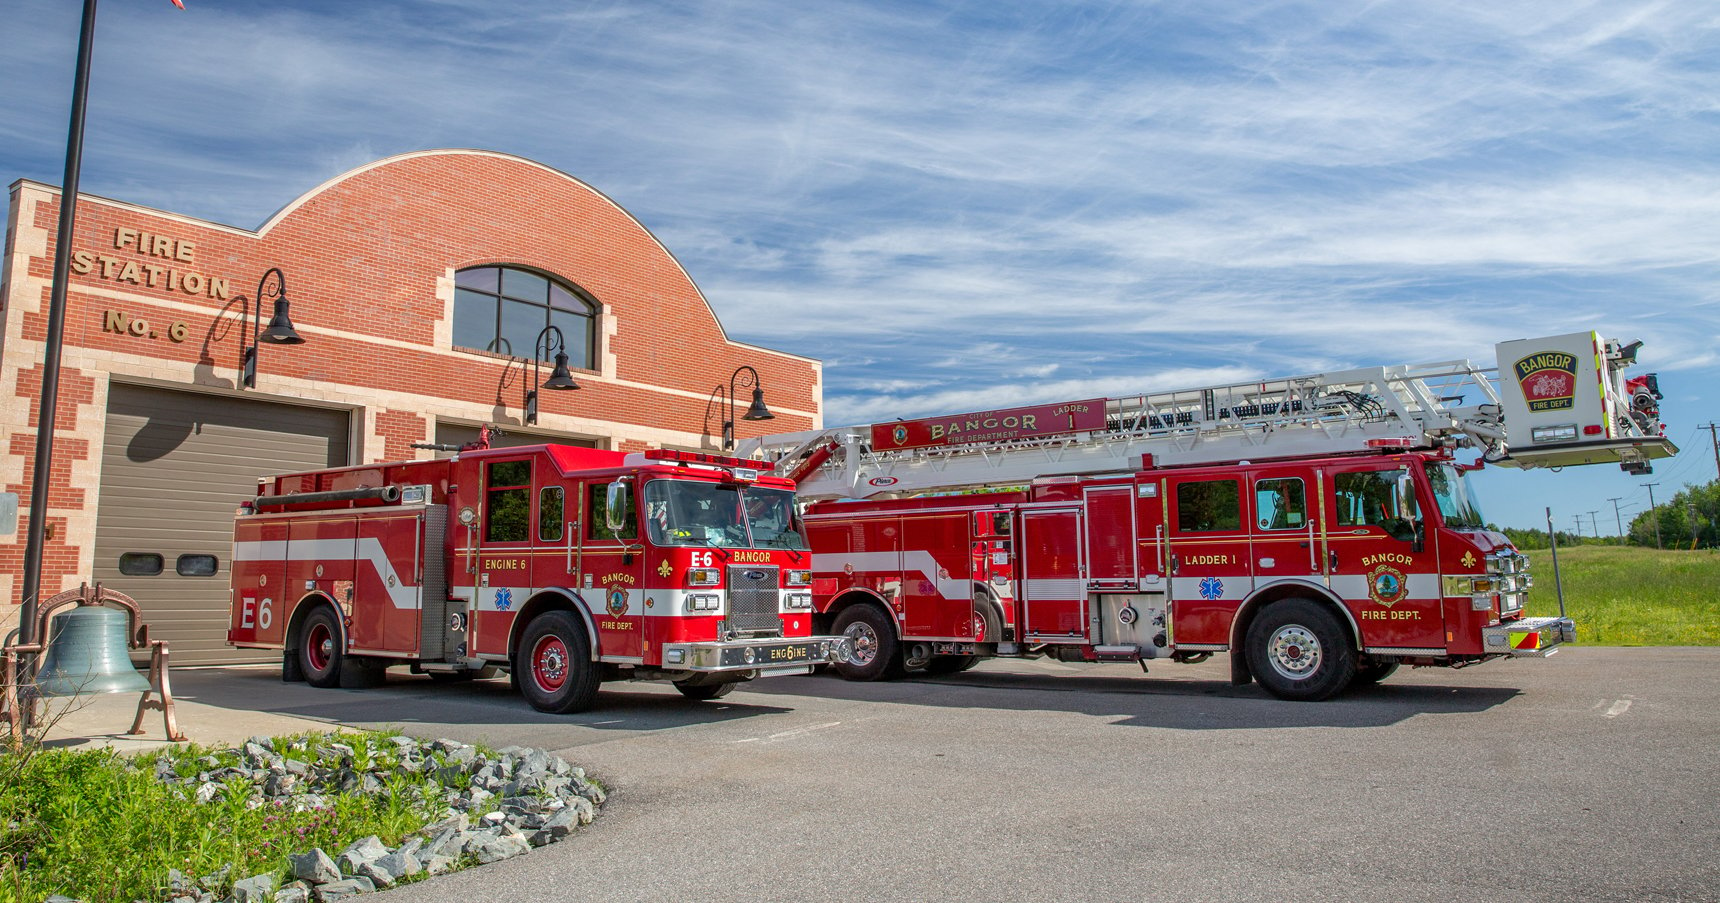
pixel 1591 775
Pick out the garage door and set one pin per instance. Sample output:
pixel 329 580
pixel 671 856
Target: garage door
pixel 175 465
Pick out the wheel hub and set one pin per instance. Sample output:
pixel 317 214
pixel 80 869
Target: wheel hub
pixel 549 664
pixel 1294 651
pixel 865 644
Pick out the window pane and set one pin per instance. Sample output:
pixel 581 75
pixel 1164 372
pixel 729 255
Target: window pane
pixel 510 473
pixel 140 564
pixel 598 494
pixel 1280 505
pixel 577 331
pixel 196 566
pixel 525 286
pixel 474 319
pixel 509 512
pixel 549 514
pixel 565 300
pixel 1208 505
pixel 1377 498
pixel 521 324
pixel 482 278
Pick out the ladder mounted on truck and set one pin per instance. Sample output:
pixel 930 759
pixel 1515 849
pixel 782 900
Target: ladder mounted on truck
pixel 1448 404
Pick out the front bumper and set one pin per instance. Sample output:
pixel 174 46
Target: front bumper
pixel 761 655
pixel 1529 637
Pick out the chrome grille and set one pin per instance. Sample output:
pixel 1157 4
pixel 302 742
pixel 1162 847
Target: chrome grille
pixel 753 607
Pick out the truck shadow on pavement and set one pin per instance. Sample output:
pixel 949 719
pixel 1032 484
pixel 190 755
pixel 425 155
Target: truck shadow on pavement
pixel 406 701
pixel 1178 704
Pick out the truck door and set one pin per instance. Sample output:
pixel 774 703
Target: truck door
pixel 1382 561
pixel 612 574
pixel 992 564
pixel 1209 567
pixel 937 583
pixel 1110 539
pixel 1051 574
pixel 1286 542
pixel 504 552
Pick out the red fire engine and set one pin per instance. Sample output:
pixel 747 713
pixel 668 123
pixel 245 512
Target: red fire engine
pixel 1319 528
pixel 563 566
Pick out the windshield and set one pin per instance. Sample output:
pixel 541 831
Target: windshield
pixel 721 515
pixel 1457 505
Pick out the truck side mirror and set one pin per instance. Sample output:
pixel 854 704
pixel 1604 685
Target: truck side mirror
pixel 616 505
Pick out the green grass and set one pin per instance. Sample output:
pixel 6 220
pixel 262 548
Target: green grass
pixel 98 827
pixel 1630 596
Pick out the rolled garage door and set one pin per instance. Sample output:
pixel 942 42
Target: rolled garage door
pixel 175 465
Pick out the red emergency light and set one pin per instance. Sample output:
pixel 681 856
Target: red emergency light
pixel 669 454
pixel 1392 442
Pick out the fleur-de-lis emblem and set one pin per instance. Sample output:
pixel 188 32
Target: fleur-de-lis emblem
pixel 664 570
pixel 1468 559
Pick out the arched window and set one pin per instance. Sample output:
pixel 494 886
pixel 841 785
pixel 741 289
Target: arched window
pixel 503 309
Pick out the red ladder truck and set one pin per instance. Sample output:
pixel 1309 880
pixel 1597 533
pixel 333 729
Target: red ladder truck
pixel 1319 528
pixel 564 566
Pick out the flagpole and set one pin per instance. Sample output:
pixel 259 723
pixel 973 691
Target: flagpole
pixel 43 471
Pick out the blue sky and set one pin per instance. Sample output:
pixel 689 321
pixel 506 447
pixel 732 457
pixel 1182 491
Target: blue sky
pixel 975 205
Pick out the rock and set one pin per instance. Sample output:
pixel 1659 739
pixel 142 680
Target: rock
pixel 361 853
pixel 378 873
pixel 504 847
pixel 594 793
pixel 314 867
pixel 256 889
pixel 436 865
pixel 340 890
pixel 368 783
pixel 61 898
pixel 217 880
pixel 402 863
pixel 296 768
pixel 584 808
pixel 177 882
pixel 279 785
pixel 259 752
pixel 561 824
pixel 478 797
pixel 295 892
pixel 208 792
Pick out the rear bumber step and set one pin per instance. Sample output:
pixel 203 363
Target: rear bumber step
pixel 1529 637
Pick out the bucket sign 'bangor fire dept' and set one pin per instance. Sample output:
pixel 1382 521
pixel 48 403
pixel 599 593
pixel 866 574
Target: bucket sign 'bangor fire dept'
pixel 991 426
pixel 1548 380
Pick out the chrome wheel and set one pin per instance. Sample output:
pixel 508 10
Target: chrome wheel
pixel 864 642
pixel 1293 651
pixel 549 664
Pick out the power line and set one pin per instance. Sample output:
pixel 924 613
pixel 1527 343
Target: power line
pixel 1616 515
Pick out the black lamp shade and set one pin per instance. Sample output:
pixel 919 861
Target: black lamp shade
pixel 559 378
pixel 280 330
pixel 757 411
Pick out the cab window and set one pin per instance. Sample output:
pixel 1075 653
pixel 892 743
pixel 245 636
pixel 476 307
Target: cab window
pixel 1205 506
pixel 1280 505
pixel 1377 498
pixel 550 505
pixel 597 502
pixel 507 501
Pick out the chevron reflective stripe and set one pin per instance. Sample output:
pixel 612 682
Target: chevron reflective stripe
pixel 368 550
pixel 907 564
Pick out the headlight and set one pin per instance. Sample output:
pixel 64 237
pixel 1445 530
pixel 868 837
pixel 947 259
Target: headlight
pixel 704 602
pixel 797 578
pixel 798 600
pixel 704 577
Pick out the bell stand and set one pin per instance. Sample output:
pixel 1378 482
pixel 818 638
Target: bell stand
pixel 13 698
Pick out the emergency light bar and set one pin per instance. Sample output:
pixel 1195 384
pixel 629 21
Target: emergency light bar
pixel 669 454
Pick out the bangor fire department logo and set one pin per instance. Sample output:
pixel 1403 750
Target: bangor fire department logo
pixel 617 601
pixel 1387 586
pixel 1211 588
pixel 1548 379
pixel 899 434
pixel 504 599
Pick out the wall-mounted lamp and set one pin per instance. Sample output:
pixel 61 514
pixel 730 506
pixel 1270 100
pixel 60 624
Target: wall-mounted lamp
pixel 280 331
pixel 755 411
pixel 559 378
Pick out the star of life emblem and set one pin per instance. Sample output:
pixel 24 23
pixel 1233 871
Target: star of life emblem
pixel 1211 588
pixel 504 599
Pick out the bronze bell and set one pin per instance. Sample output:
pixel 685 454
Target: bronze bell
pixel 87 655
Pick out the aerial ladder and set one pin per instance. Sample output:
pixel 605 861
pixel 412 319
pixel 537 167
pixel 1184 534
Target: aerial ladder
pixel 1550 402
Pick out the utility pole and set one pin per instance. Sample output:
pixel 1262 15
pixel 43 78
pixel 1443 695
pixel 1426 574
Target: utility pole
pixel 1617 517
pixel 1690 512
pixel 1595 523
pixel 1654 511
pixel 1713 437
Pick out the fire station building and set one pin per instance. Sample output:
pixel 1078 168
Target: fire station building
pixel 424 287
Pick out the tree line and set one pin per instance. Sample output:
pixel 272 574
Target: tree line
pixel 1690 519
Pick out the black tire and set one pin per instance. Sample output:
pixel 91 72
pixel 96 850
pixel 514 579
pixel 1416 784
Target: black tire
pixel 705 692
pixel 1372 672
pixel 1298 650
pixel 991 631
pixel 320 654
pixel 877 652
pixel 553 661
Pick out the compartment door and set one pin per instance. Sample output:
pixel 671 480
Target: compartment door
pixel 1052 574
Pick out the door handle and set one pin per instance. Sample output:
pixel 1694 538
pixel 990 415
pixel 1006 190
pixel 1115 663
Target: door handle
pixel 1332 558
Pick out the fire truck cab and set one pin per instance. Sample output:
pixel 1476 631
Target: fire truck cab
pixel 562 566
